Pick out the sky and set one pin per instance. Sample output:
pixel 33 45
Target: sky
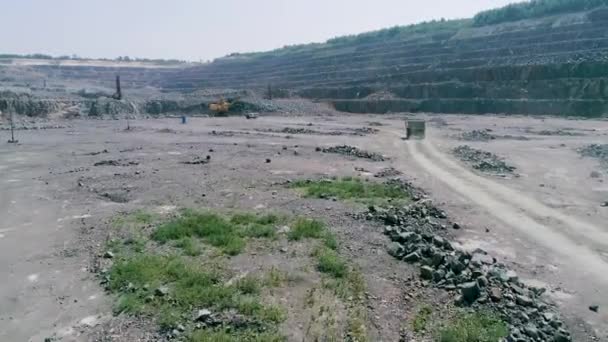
pixel 203 29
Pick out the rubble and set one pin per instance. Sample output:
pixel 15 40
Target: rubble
pixel 482 160
pixel 354 152
pixel 477 135
pixel 596 151
pixel 479 280
pixel 388 172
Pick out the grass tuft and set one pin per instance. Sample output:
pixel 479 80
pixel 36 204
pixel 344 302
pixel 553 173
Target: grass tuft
pixel 305 228
pixel 331 263
pixel 421 319
pixel 229 335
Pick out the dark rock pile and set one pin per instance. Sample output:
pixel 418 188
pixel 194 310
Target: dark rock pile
pixel 290 130
pixel 477 135
pixel 353 152
pixel 388 172
pixel 365 131
pixel 599 151
pixel 482 160
pixel 557 132
pixel 477 278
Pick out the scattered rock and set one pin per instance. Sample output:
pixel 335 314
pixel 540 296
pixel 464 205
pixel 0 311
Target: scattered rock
pixel 202 315
pixel 477 135
pixel 482 160
pixel 108 255
pixel 268 160
pixel 596 151
pixel 594 308
pixel 354 152
pixel 496 294
pixel 524 301
pixel 388 172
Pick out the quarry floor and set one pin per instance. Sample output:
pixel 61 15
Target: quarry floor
pixel 547 223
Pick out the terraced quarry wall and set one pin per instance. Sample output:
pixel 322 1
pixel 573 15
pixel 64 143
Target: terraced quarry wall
pixel 552 65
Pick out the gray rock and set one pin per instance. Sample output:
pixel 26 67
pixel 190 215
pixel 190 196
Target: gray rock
pixel 524 301
pixel 561 337
pixel 426 272
pixel 482 281
pixel 412 257
pixel 531 331
pixel 495 294
pixel 162 291
pixel 438 275
pixel 108 255
pixel 438 241
pixel 202 315
pixel 480 259
pixel 396 249
pixel 470 291
pixel 594 308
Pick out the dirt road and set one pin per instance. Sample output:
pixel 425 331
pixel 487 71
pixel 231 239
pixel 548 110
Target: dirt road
pixel 556 237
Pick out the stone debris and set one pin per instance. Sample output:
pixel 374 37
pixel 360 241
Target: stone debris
pixel 118 162
pixel 477 277
pixel 594 308
pixel 354 152
pixel 198 161
pixel 557 132
pixel 388 172
pixel 482 160
pixel 596 151
pixel 477 135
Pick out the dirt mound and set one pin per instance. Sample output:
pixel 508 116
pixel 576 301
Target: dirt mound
pixel 482 160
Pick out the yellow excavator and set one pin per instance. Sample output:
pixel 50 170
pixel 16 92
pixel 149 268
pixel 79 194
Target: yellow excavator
pixel 220 107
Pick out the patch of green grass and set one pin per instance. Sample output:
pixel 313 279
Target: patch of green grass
pixel 349 188
pixel 229 335
pixel 227 234
pixel 474 327
pixel 136 218
pixel 329 262
pixel 304 228
pixel 191 285
pixel 421 319
pixel 190 246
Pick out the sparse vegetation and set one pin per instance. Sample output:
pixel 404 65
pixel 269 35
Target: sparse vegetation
pixel 226 335
pixel 421 319
pixel 474 327
pixel 533 9
pixel 227 234
pixel 331 263
pixel 349 188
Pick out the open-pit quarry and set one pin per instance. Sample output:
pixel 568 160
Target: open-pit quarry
pixel 337 234
pixel 273 196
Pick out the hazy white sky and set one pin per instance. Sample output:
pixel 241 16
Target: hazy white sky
pixel 203 29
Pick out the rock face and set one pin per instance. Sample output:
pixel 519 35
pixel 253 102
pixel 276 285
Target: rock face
pixel 416 234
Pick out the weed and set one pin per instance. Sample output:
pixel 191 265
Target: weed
pixel 422 318
pixel 474 327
